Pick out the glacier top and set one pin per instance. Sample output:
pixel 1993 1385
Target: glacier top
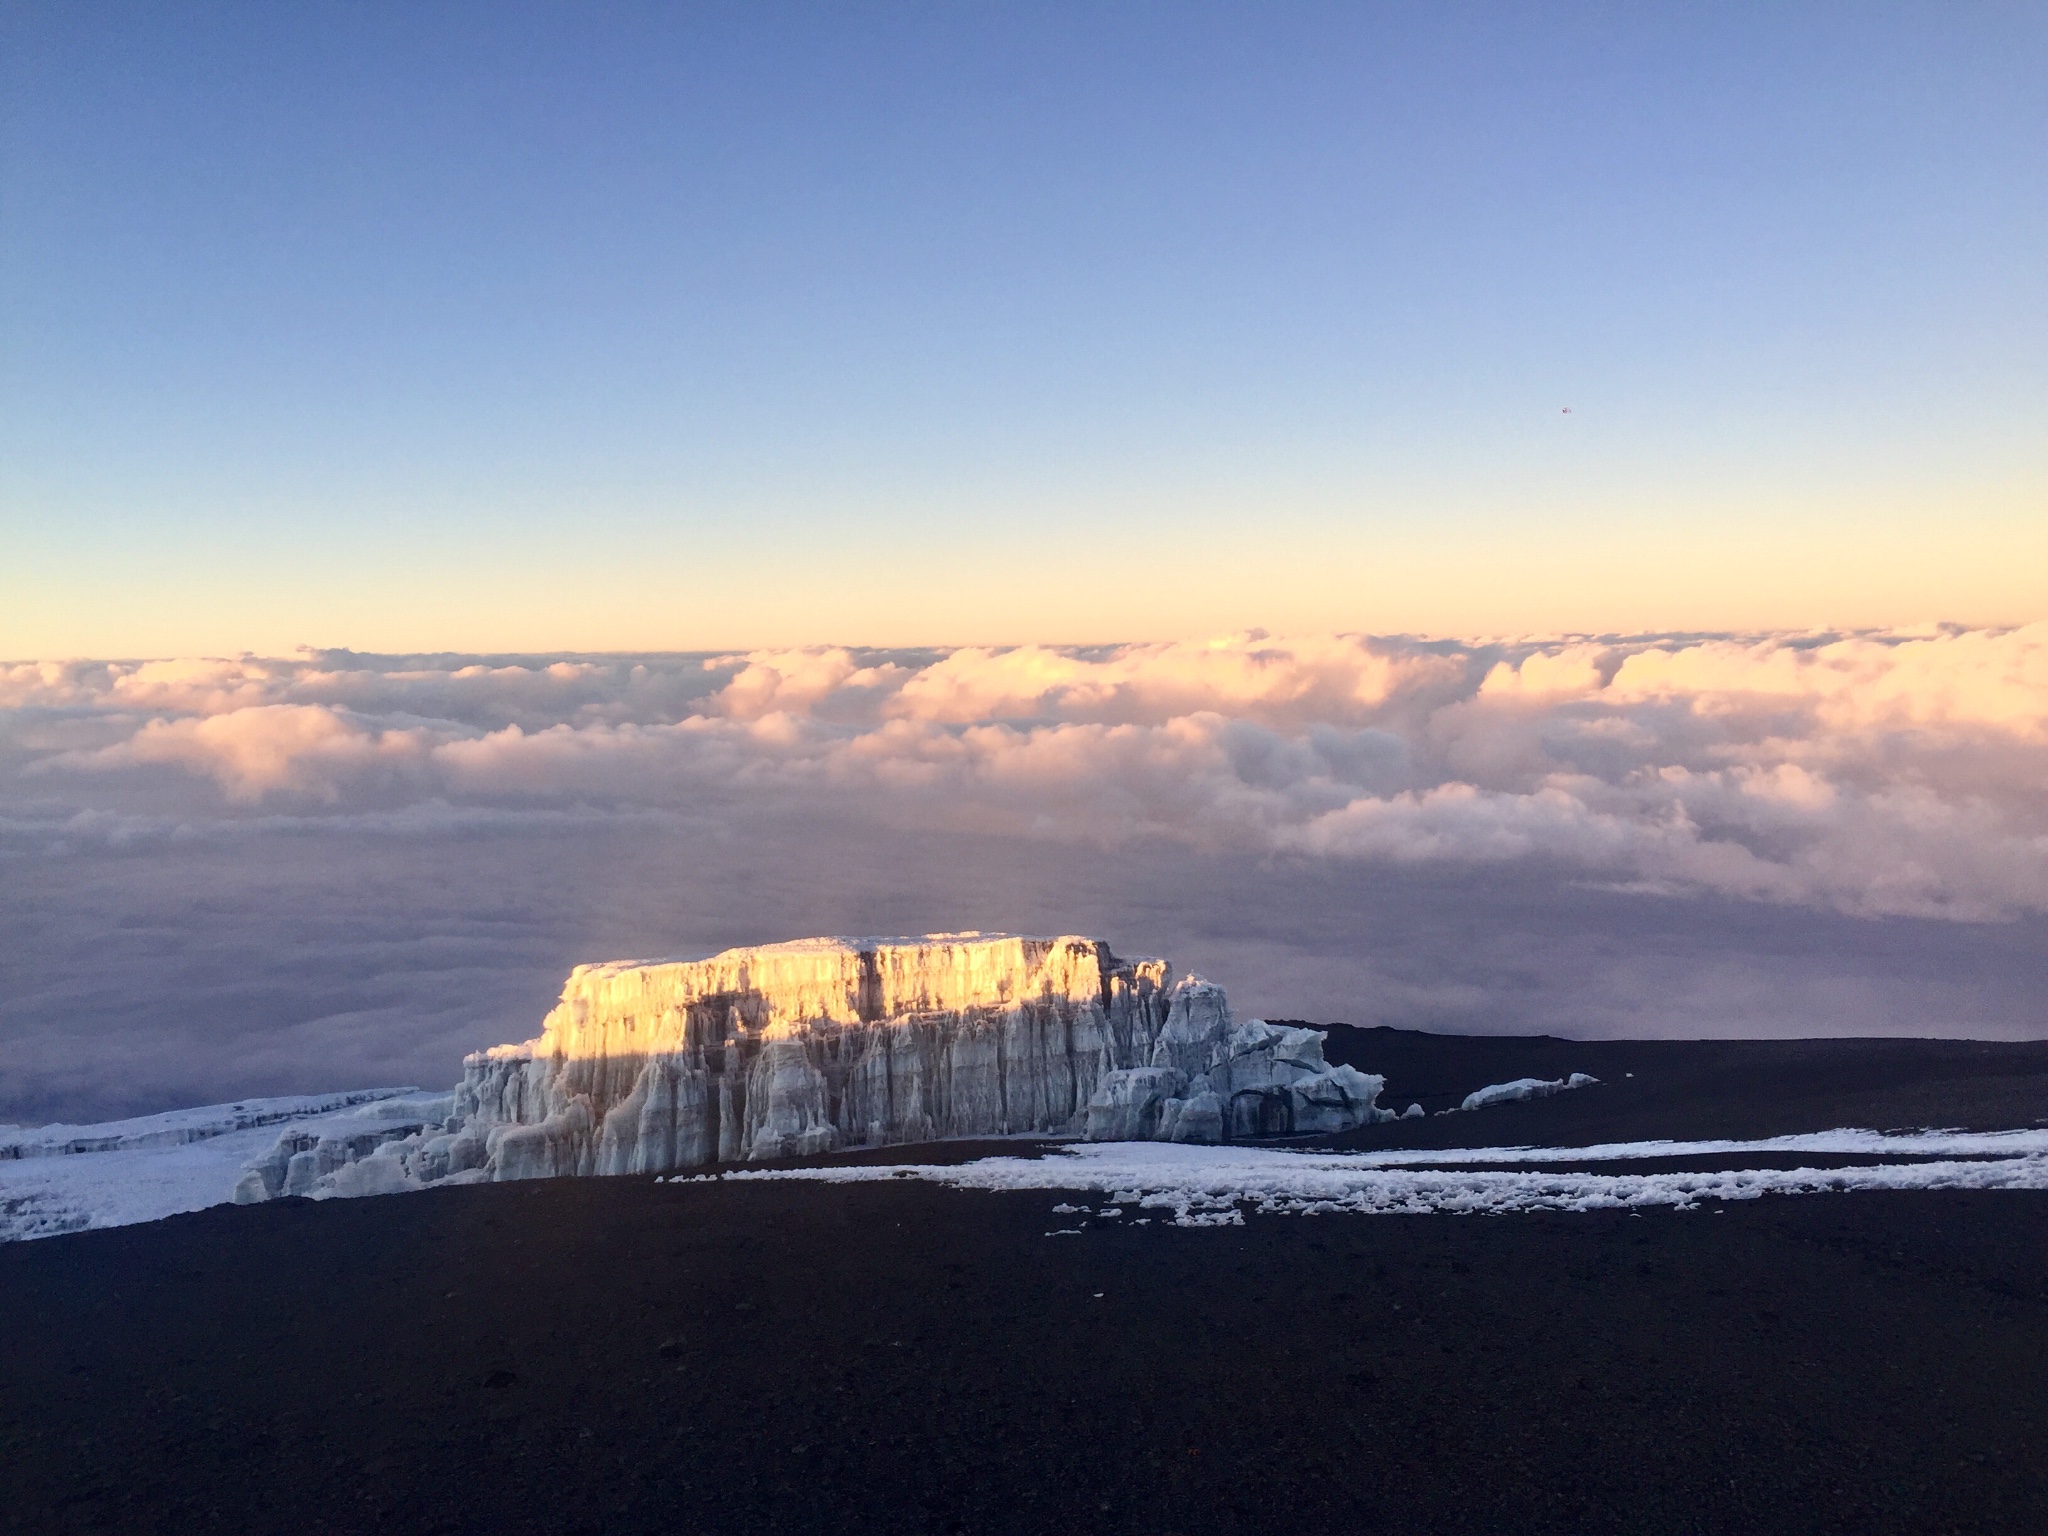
pixel 774 990
pixel 850 944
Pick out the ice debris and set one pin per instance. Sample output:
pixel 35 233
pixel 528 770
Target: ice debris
pixel 406 1144
pixel 1524 1088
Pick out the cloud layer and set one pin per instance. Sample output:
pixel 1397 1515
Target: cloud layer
pixel 1871 774
pixel 250 876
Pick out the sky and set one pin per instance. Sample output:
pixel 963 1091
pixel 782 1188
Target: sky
pixel 536 328
pixel 1515 518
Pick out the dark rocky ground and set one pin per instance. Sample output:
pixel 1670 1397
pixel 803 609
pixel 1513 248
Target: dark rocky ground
pixel 621 1356
pixel 1692 1089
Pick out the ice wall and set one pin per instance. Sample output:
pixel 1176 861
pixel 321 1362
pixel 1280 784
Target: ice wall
pixel 822 1044
pixel 810 1046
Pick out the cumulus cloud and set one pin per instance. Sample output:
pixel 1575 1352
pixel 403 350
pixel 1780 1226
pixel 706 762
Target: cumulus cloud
pixel 1880 773
pixel 252 752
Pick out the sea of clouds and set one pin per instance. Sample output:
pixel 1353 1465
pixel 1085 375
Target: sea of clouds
pixel 1655 833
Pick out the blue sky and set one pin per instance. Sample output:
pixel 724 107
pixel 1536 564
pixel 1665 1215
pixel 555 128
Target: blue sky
pixel 549 326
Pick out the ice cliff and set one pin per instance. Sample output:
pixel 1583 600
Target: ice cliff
pixel 822 1044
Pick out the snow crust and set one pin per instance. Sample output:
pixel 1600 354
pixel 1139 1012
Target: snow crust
pixel 1217 1186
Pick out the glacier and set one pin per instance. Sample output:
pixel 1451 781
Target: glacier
pixel 818 1045
pixel 779 1050
pixel 74 1178
pixel 752 1055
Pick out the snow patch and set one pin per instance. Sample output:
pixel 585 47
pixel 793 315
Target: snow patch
pixel 1214 1186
